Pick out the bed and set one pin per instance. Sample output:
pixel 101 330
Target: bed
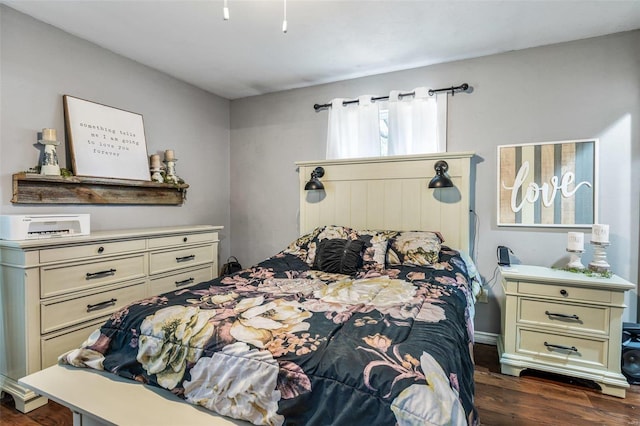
pixel 365 319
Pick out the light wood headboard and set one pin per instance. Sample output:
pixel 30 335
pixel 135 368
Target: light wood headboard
pixel 390 193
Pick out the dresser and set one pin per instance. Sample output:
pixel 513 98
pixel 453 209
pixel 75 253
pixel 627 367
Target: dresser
pixel 564 323
pixel 55 292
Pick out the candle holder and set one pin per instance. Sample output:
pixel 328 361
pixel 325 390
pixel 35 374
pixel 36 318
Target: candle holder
pixel 156 175
pixel 49 165
pixel 599 262
pixel 575 259
pixel 155 169
pixel 171 176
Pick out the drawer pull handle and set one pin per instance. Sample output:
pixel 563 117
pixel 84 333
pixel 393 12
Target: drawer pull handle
pixel 564 292
pixel 185 282
pixel 185 239
pixel 564 348
pixel 185 258
pixel 101 305
pixel 101 273
pixel 573 317
pixel 100 249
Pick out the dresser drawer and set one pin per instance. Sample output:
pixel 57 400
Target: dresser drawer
pixel 177 240
pixel 53 347
pixel 565 292
pixel 164 261
pixel 68 278
pixel 181 280
pixel 550 346
pixel 57 315
pixel 593 319
pixel 91 250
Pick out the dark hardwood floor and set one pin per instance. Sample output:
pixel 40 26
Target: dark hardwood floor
pixel 542 399
pixel 501 400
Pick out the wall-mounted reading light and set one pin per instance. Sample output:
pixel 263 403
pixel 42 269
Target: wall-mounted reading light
pixel 314 182
pixel 440 180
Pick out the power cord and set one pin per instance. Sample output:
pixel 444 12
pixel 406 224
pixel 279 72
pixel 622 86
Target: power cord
pixel 491 281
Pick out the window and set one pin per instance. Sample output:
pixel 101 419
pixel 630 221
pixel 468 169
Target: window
pixel 404 125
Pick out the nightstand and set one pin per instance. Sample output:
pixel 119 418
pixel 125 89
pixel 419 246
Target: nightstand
pixel 564 323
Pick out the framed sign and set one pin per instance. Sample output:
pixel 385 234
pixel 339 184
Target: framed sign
pixel 105 141
pixel 552 184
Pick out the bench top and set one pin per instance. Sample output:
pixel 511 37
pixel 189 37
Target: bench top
pixel 109 399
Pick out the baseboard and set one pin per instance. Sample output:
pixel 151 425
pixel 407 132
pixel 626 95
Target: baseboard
pixel 485 338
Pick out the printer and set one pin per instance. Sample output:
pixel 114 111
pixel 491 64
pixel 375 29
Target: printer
pixel 38 226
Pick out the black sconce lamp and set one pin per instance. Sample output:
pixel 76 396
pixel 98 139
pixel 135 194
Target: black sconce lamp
pixel 314 182
pixel 440 180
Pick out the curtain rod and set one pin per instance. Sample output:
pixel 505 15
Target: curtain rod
pixel 453 89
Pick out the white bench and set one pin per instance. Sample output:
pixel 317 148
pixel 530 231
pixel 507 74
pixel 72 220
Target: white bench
pixel 96 398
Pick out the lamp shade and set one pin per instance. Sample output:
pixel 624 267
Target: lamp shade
pixel 314 183
pixel 441 180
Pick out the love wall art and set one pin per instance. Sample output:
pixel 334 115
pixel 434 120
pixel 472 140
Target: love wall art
pixel 548 184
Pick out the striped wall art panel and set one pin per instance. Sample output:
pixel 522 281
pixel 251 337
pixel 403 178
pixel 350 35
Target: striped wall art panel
pixel 548 184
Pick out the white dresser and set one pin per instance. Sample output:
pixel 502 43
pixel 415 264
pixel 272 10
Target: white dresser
pixel 55 292
pixel 563 322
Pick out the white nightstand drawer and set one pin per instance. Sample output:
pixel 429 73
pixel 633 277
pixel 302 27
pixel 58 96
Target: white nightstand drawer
pixel 182 280
pixel 91 250
pixel 68 312
pixel 165 261
pixel 562 349
pixel 177 240
pixel 565 292
pixel 593 319
pixel 68 278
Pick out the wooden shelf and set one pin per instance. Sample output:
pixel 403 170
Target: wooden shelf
pixel 30 188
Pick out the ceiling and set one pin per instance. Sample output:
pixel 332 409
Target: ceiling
pixel 326 41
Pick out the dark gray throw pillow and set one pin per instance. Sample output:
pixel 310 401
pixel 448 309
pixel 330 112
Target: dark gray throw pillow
pixel 339 256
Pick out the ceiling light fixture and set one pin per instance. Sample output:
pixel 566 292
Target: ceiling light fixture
pixel 284 22
pixel 225 14
pixel 225 11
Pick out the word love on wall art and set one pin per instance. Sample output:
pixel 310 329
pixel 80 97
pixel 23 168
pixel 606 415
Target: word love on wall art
pixel 548 184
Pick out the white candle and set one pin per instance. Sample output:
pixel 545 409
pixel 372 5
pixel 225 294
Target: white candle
pixel 600 233
pixel 575 241
pixel 169 155
pixel 155 161
pixel 49 135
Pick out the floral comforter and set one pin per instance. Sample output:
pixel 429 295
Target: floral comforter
pixel 280 343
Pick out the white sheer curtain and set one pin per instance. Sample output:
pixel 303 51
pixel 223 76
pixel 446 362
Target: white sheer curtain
pixel 354 129
pixel 417 124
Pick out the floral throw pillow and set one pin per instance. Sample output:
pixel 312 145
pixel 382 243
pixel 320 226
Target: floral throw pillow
pixel 376 243
pixel 418 248
pixel 300 247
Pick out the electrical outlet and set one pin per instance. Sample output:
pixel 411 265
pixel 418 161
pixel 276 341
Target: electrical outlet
pixel 483 296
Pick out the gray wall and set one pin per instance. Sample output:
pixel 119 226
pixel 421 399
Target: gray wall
pixel 578 90
pixel 40 63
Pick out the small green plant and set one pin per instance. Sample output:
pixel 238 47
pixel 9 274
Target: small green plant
pixel 588 272
pixel 63 172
